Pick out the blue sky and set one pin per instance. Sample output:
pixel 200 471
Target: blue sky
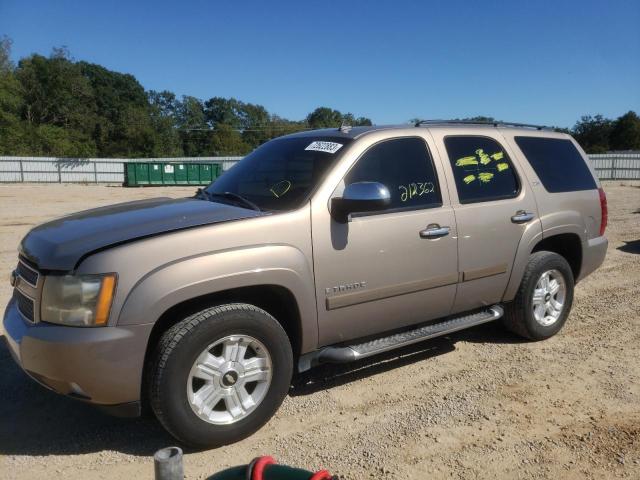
pixel 541 62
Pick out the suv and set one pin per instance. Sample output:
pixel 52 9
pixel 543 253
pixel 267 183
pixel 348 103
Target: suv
pixel 323 246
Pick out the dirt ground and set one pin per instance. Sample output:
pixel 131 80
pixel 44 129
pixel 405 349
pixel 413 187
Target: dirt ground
pixel 476 404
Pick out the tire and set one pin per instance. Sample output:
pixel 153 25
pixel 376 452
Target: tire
pixel 187 376
pixel 520 317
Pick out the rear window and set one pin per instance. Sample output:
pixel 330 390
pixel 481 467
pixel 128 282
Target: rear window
pixel 557 163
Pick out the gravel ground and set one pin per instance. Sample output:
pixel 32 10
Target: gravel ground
pixel 476 404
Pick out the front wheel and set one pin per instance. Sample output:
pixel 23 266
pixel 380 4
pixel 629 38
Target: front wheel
pixel 544 299
pixel 219 375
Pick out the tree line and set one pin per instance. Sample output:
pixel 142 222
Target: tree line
pixel 55 106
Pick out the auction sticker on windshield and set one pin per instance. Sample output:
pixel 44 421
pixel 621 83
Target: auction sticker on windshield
pixel 328 147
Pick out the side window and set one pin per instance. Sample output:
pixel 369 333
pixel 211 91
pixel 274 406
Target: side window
pixel 481 168
pixel 405 167
pixel 557 163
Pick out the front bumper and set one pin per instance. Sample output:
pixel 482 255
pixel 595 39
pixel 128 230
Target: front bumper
pixel 101 365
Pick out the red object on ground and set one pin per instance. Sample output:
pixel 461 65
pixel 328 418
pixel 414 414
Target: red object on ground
pixel 259 466
pixel 321 475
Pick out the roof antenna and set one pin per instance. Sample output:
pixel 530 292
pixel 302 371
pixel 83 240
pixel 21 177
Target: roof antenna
pixel 344 128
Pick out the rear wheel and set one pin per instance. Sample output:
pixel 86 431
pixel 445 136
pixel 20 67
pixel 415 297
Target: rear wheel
pixel 219 375
pixel 543 301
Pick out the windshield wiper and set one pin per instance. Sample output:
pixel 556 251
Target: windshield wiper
pixel 238 199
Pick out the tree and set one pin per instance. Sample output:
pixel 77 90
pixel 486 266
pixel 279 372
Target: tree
pixel 225 140
pixel 223 111
pixel 163 110
pixel 625 132
pixel 12 132
pixel 6 65
pixel 164 103
pixel 592 133
pixel 119 100
pixel 54 91
pixel 192 126
pixel 58 106
pixel 323 117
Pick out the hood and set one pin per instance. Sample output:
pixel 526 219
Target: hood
pixel 62 243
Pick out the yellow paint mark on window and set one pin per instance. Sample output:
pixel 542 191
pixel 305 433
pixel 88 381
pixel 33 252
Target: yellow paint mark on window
pixel 502 166
pixel 498 156
pixel 464 161
pixel 485 177
pixel 469 178
pixel 484 158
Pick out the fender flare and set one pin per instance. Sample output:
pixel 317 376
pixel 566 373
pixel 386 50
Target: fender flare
pixel 527 244
pixel 176 282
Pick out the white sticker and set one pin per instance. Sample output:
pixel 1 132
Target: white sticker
pixel 168 169
pixel 328 147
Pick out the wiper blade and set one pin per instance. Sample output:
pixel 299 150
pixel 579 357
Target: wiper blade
pixel 239 199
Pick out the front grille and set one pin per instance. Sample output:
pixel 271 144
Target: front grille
pixel 25 305
pixel 27 273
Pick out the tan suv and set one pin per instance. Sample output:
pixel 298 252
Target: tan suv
pixel 323 246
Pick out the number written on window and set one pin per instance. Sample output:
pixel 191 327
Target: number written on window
pixel 405 167
pixel 413 190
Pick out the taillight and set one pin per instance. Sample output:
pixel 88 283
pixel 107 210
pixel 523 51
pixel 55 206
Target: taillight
pixel 604 211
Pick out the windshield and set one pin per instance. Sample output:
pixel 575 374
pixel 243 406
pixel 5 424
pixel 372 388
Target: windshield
pixel 281 174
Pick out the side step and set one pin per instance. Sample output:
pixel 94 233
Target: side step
pixel 351 353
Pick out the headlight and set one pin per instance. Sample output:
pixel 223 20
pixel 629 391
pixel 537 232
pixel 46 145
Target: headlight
pixel 79 301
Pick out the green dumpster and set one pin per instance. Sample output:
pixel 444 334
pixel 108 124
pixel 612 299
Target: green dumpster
pixel 129 173
pixel 155 174
pixel 170 173
pixel 206 173
pixel 180 174
pixel 193 173
pixel 142 173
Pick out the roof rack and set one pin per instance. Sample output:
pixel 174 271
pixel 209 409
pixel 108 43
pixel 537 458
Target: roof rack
pixel 420 123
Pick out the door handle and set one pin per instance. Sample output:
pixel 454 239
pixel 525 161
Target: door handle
pixel 522 216
pixel 434 231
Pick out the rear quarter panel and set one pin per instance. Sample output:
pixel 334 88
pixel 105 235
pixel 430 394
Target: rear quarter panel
pixel 576 212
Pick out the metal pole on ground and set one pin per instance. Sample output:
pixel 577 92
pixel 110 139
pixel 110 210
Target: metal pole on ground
pixel 167 463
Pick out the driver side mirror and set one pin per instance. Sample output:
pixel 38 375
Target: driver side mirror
pixel 360 197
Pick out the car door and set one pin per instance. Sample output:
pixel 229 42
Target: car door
pixel 377 272
pixel 493 205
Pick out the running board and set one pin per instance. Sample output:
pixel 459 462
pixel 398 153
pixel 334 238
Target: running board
pixel 351 353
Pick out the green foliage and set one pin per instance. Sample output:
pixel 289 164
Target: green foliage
pixel 593 132
pixel 323 117
pixel 625 133
pixel 6 65
pixel 59 107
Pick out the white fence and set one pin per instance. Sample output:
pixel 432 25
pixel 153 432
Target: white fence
pixel 617 166
pixel 609 166
pixel 83 170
